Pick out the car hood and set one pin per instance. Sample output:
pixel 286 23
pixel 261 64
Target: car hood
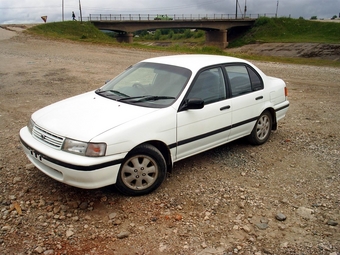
pixel 86 116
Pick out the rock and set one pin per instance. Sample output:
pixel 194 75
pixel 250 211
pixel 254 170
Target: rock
pixel 29 167
pixel 241 204
pixel 83 205
pixel 123 234
pixel 117 222
pixel 264 220
pixel 42 203
pixel 16 180
pixel 6 228
pixel 212 251
pixel 246 229
pixel 262 226
pixel 12 197
pixel 73 204
pixel 332 223
pixel 162 247
pixel 39 249
pixel 280 217
pixel 305 213
pixel 69 233
pixel 178 217
pixel 75 218
pixel 112 216
pixel 204 245
pixel 284 245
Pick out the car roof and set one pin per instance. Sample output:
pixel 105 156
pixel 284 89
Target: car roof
pixel 194 62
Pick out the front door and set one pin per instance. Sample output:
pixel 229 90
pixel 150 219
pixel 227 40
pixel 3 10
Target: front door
pixel 202 129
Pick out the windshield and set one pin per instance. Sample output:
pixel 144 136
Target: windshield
pixel 147 84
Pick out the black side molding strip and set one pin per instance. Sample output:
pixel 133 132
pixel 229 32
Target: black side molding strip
pixel 281 108
pixel 192 139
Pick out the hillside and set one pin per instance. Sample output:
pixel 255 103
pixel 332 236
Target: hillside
pixel 274 38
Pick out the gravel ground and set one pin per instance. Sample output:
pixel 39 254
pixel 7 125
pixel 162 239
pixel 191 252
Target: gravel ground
pixel 279 198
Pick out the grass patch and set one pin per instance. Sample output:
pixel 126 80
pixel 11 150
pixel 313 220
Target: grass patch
pixel 288 30
pixel 72 30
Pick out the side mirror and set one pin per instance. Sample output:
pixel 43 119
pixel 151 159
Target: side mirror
pixel 192 104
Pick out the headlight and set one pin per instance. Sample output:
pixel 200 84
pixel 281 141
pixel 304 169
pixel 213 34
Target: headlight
pixel 30 126
pixel 85 149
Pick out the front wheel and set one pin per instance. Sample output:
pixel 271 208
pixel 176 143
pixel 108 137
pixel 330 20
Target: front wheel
pixel 262 129
pixel 143 170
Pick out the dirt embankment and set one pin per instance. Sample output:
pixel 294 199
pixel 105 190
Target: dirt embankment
pixel 303 50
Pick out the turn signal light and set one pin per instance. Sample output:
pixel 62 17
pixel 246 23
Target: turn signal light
pixel 286 91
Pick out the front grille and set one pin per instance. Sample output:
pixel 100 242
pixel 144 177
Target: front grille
pixel 48 138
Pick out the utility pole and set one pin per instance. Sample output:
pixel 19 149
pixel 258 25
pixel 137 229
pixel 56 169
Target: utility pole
pixel 81 16
pixel 62 10
pixel 236 9
pixel 245 8
pixel 277 7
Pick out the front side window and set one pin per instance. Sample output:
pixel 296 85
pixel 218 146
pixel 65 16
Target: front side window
pixel 209 86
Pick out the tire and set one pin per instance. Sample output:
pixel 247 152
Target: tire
pixel 262 129
pixel 143 170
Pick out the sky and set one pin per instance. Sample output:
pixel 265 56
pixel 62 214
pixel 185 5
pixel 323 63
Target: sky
pixel 30 11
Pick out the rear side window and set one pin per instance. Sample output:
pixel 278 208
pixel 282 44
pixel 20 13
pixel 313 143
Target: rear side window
pixel 256 81
pixel 243 80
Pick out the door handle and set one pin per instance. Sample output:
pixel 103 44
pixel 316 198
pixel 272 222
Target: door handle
pixel 259 98
pixel 225 108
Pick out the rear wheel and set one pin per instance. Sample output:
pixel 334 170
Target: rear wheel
pixel 262 129
pixel 143 170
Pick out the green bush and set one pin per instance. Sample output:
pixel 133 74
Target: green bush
pixel 187 34
pixel 199 34
pixel 157 34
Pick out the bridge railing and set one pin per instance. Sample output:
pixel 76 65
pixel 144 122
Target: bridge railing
pixel 150 17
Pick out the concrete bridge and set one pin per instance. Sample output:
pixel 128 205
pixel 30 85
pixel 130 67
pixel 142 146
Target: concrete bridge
pixel 215 26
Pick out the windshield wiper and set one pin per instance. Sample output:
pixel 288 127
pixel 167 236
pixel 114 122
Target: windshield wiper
pixel 145 98
pixel 116 92
pixel 154 98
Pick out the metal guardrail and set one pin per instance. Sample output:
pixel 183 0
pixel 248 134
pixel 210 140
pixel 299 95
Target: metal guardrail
pixel 179 17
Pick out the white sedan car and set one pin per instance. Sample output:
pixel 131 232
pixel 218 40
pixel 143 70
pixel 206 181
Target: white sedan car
pixel 130 131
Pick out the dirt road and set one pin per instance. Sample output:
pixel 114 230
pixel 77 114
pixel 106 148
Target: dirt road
pixel 279 198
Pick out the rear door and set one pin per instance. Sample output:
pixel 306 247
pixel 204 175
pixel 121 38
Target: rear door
pixel 247 98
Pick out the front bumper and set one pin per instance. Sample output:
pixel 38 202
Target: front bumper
pixel 75 170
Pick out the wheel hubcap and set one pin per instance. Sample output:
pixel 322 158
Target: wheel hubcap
pixel 263 127
pixel 139 172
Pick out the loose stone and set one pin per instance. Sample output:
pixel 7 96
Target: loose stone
pixel 332 223
pixel 280 217
pixel 123 234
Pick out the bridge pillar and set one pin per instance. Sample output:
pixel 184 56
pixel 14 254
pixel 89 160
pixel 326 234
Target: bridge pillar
pixel 124 37
pixel 216 38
